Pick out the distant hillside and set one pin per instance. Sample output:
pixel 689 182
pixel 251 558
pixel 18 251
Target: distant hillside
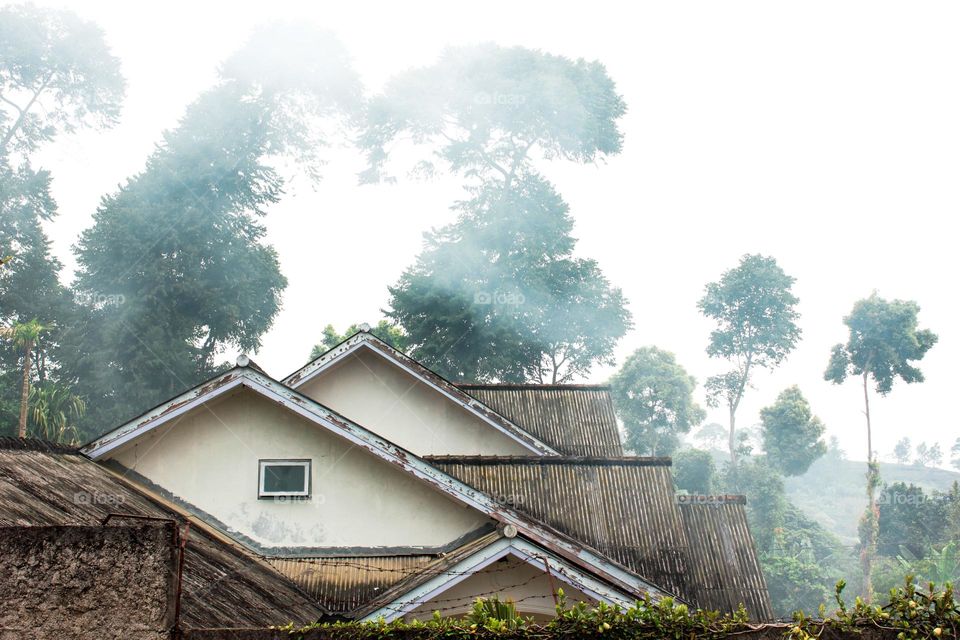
pixel 833 491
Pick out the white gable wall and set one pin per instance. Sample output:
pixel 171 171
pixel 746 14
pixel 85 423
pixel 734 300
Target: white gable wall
pixel 209 459
pixel 529 587
pixel 392 403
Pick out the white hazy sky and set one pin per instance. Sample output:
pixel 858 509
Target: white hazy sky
pixel 825 134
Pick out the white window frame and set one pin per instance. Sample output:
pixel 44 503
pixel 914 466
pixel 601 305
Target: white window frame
pixel 305 463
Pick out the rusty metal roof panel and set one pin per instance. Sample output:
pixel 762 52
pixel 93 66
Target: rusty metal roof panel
pixel 223 586
pixel 576 420
pixel 624 509
pixel 724 567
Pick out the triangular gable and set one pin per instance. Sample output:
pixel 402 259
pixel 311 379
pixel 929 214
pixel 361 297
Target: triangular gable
pixel 436 581
pixel 364 342
pixel 571 550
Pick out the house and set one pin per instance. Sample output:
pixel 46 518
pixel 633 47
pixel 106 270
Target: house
pixel 364 486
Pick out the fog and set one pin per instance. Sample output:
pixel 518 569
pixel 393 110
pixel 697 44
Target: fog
pixel 824 135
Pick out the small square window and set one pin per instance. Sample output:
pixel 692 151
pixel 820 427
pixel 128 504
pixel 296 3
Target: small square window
pixel 284 478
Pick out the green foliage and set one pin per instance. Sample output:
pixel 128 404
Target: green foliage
pixel 795 583
pixel 175 265
pixel 756 318
pixel 792 435
pixel 711 435
pixel 385 330
pixel 694 471
pixel 56 74
pixel 485 109
pixel 755 311
pixel 929 455
pixel 491 614
pixel 500 295
pixel 955 454
pixel 909 613
pixel 766 499
pixel 884 341
pixel 55 413
pixel 653 396
pixel 901 452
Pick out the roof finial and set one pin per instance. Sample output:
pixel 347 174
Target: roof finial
pixel 364 327
pixel 243 360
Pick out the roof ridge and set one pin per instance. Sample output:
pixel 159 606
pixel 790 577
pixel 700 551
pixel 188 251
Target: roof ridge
pixel 532 385
pixel 629 461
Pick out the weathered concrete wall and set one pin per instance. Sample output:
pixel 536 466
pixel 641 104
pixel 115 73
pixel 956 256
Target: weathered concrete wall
pixel 87 582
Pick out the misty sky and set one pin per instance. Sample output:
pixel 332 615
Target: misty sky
pixel 825 134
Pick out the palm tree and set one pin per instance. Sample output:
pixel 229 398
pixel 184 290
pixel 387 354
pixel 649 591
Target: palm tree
pixel 54 413
pixel 24 336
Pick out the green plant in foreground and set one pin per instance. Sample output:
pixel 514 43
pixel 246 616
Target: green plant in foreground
pixel 910 613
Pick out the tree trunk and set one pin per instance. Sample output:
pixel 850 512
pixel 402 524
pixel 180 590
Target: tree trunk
pixel 25 391
pixel 733 437
pixel 872 513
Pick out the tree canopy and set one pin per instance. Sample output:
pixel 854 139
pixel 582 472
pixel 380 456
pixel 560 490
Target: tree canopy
pixel 756 316
pixel 792 435
pixel 56 74
pixel 175 265
pixel 884 342
pixel 653 396
pixel 485 110
pixel 385 330
pixel 498 294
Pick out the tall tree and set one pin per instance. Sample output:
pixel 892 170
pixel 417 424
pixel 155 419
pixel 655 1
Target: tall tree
pixel 929 455
pixel 24 337
pixel 176 259
pixel 955 454
pixel 756 317
pixel 56 75
pixel 653 396
pixel 901 452
pixel 792 435
pixel 498 295
pixel 883 343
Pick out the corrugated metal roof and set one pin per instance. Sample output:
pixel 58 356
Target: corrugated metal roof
pixel 724 569
pixel 343 584
pixel 222 585
pixel 575 420
pixel 626 509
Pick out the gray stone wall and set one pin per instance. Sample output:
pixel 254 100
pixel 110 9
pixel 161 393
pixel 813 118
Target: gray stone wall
pixel 87 582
